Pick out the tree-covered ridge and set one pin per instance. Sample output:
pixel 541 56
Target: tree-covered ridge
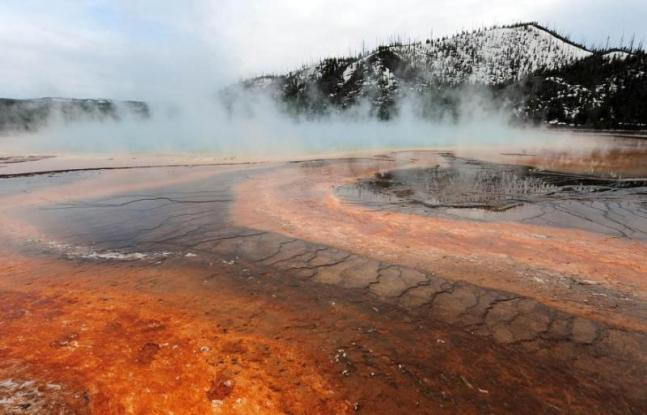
pixel 29 115
pixel 540 75
pixel 600 91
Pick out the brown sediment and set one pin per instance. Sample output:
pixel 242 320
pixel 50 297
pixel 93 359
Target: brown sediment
pixel 625 158
pixel 387 313
pixel 133 338
pixel 112 346
pixel 300 202
pixel 623 162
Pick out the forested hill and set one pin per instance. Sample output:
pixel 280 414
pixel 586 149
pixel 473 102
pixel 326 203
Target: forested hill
pixel 605 90
pixel 29 115
pixel 525 71
pixel 539 75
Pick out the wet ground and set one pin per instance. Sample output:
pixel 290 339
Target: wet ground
pixel 272 288
pixel 486 191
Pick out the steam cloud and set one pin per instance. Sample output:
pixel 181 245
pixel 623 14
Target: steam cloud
pixel 200 124
pixel 180 78
pixel 176 56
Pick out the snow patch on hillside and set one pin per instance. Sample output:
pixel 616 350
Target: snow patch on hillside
pixel 616 55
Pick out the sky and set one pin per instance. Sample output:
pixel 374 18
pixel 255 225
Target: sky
pixel 159 49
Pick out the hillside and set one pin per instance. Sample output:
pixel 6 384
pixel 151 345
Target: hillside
pixel 524 71
pixel 438 72
pixel 606 90
pixel 489 56
pixel 29 115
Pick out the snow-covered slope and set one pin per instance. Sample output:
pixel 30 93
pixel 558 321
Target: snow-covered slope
pixel 618 55
pixel 488 56
pixel 492 56
pixel 526 61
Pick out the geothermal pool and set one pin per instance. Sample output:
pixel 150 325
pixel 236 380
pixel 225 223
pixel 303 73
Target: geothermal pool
pixel 387 282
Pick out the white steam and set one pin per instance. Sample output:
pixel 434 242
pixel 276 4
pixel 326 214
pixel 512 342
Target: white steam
pixel 195 49
pixel 200 124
